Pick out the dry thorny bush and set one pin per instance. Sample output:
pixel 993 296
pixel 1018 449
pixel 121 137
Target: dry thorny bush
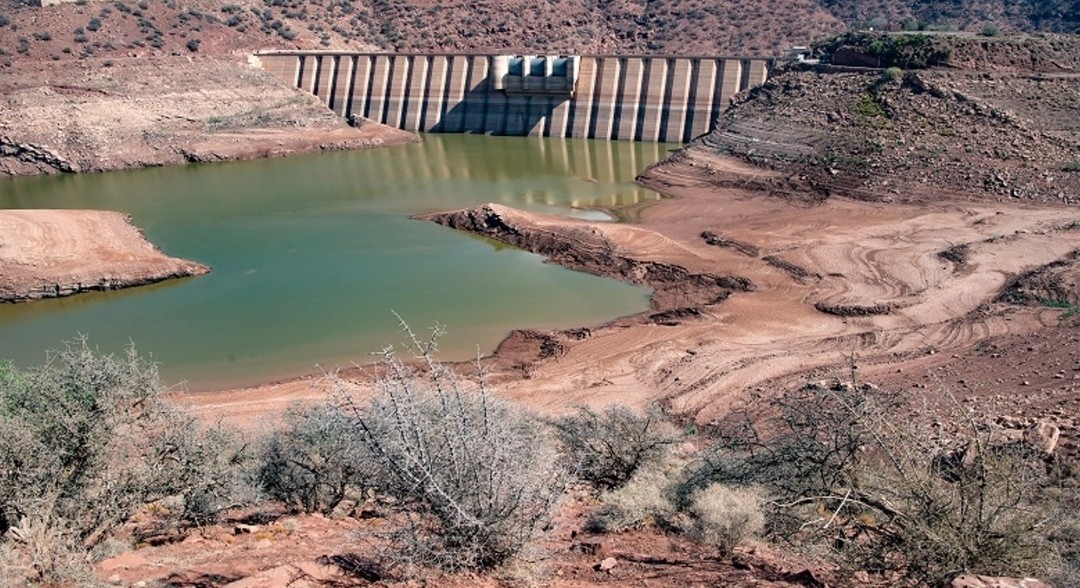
pixel 848 471
pixel 315 461
pixel 606 448
pixel 474 475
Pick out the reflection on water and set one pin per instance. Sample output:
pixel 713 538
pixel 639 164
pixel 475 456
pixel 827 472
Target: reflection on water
pixel 310 254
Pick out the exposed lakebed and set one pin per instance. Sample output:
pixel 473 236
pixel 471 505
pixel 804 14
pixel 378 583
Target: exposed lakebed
pixel 311 255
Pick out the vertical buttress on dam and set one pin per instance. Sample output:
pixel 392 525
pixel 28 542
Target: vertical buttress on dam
pixel 634 98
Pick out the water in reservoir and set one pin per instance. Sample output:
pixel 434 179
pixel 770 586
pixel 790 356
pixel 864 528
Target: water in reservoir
pixel 310 255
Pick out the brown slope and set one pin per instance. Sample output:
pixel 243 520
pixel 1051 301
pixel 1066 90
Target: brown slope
pixel 579 26
pixel 105 115
pixel 972 135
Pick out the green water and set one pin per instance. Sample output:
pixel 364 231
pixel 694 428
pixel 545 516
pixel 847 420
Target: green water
pixel 311 255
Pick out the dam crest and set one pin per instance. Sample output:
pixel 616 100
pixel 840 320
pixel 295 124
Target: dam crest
pixel 635 98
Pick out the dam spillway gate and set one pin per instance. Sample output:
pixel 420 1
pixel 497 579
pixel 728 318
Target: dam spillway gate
pixel 637 98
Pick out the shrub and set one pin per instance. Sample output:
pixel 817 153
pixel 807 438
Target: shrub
pixel 990 30
pixel 193 45
pixel 606 448
pixel 725 516
pixel 313 461
pixel 475 474
pixel 84 441
pixel 892 74
pixel 94 24
pixel 5 20
pixel 645 500
pixel 846 469
pixel 909 51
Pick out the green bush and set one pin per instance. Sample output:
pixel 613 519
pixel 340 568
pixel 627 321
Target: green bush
pixel 892 74
pixel 85 440
pixel 907 51
pixel 990 30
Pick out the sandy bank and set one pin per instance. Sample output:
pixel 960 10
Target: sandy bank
pixel 825 281
pixel 50 253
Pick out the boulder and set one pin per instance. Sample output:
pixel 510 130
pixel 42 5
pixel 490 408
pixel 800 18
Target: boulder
pixel 606 565
pixel 1043 436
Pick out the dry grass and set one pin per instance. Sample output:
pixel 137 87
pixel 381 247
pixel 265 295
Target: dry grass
pixel 727 516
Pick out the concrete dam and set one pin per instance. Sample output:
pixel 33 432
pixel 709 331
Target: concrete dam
pixel 633 98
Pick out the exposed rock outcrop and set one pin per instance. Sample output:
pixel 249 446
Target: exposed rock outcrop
pixel 583 245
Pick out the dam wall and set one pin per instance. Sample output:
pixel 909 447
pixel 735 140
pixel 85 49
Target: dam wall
pixel 634 98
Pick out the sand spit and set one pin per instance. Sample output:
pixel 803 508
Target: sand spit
pixel 52 253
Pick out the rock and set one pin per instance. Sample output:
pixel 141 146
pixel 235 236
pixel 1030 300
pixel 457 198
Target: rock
pixel 344 509
pixel 242 529
pixel 973 581
pixel 1043 436
pixel 806 578
pixel 128 560
pixel 606 565
pixel 193 539
pixel 589 547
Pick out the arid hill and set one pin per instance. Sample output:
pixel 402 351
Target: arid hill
pixel 979 125
pixel 588 26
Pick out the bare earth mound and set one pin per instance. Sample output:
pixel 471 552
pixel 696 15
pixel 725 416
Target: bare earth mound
pixel 829 279
pixel 50 253
pixel 996 133
pixel 66 117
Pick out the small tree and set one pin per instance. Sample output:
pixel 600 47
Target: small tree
pixel 606 448
pixel 475 475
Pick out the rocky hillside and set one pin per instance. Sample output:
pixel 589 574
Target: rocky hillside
pixel 906 134
pixel 583 26
pixel 971 15
pixel 586 26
